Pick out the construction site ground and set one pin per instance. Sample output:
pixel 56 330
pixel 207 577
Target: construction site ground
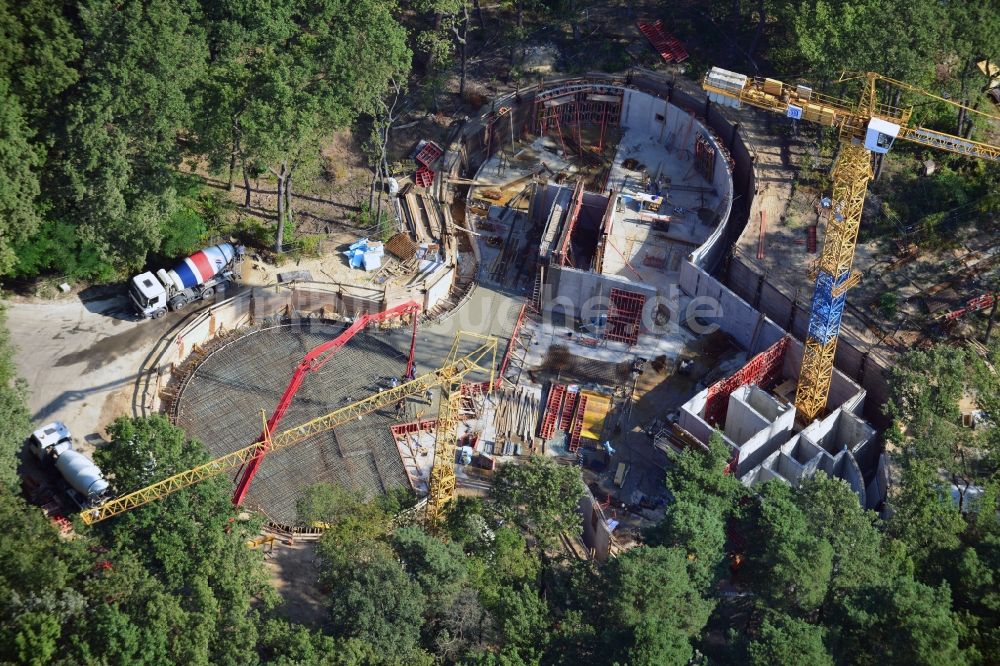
pixel 938 277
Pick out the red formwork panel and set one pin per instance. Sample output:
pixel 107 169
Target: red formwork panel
pixel 577 431
pixel 566 418
pixel 811 239
pixel 762 370
pixel 669 47
pixel 624 316
pixel 429 154
pixel 401 429
pixel 553 410
pixel 424 176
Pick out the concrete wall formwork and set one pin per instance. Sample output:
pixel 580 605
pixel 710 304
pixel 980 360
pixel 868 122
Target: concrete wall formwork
pixel 791 311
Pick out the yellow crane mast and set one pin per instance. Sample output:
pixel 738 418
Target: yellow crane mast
pixel 865 127
pixel 481 359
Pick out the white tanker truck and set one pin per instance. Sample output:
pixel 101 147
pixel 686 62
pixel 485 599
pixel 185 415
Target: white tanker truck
pixel 52 444
pixel 195 278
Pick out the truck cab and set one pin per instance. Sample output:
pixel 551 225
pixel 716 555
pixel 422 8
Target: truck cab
pixel 148 295
pixel 49 442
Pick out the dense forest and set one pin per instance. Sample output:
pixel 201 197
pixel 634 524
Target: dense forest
pixel 107 109
pixel 768 576
pixel 107 105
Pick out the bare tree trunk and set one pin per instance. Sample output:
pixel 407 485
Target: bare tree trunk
pixel 759 32
pixel 378 200
pixel 235 154
pixel 280 235
pixel 465 50
pixel 993 317
pixel 288 195
pixel 479 15
pixel 246 186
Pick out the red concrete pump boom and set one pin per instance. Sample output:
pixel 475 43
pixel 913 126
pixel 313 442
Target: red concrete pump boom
pixel 312 361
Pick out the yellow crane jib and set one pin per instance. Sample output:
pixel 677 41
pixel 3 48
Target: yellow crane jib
pixel 458 366
pixel 865 127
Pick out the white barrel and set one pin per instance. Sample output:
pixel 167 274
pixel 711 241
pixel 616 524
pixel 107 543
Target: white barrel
pixel 82 474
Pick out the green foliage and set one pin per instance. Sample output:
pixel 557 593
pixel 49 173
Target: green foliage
pixel 376 601
pixel 697 478
pixel 788 565
pixel 701 533
pixel 19 188
pixel 101 101
pixel 13 412
pixel 824 37
pixel 437 567
pixel 540 496
pixel 653 622
pixel 888 303
pixel 899 622
pixel 787 641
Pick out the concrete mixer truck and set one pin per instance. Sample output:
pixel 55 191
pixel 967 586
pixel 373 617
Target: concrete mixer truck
pixel 196 278
pixel 52 444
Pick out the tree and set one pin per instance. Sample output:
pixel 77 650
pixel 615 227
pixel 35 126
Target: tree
pixel 898 622
pixel 142 451
pixel 787 564
pixel 540 496
pixel 437 567
pixel 698 477
pixel 523 620
pixel 19 188
pixel 654 609
pixel 118 141
pixel 827 36
pixel 377 602
pixel 788 641
pixel 700 532
pixel 925 519
pixel 282 96
pixel 832 512
pixel 190 542
pixel 14 416
pixel 352 528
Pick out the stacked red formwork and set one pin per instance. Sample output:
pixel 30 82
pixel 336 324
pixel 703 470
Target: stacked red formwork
pixel 577 432
pixel 424 176
pixel 669 47
pixel 427 155
pixel 566 418
pixel 553 410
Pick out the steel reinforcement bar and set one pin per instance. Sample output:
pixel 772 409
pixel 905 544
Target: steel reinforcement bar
pixel 231 461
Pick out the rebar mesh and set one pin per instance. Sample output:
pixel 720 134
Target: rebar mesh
pixel 220 405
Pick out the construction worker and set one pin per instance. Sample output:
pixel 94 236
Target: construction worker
pixel 394 382
pixel 429 396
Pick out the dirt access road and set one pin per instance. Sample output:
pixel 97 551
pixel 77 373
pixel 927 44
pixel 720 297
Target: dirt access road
pixel 80 358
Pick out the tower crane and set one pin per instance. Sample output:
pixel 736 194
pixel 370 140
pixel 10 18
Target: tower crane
pixel 865 127
pixel 481 359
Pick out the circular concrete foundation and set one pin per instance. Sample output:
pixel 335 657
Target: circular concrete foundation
pixel 220 405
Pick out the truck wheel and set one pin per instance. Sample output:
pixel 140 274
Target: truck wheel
pixel 207 294
pixel 179 304
pixel 159 313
